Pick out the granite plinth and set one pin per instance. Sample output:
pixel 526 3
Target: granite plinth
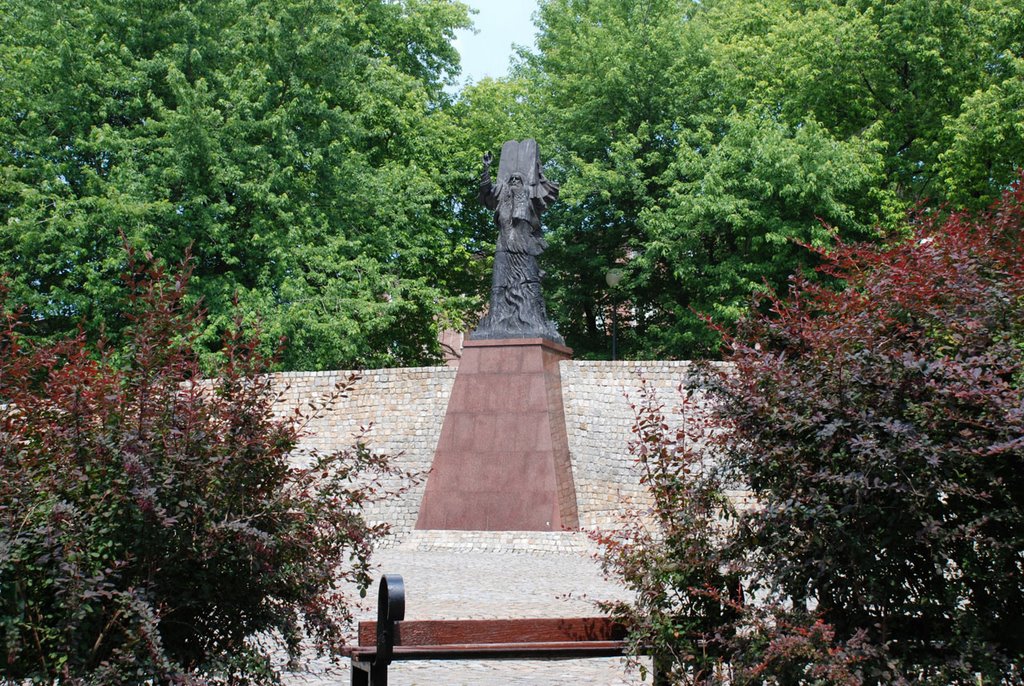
pixel 502 459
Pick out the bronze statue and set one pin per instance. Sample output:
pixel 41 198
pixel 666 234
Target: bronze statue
pixel 518 198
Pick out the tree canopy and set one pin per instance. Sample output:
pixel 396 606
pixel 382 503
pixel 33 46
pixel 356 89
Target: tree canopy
pixel 310 153
pixel 296 146
pixel 704 146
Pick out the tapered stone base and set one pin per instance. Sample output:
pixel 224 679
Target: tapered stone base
pixel 502 461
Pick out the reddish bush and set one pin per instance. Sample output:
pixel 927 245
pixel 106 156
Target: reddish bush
pixel 671 556
pixel 880 427
pixel 151 523
pixel 689 578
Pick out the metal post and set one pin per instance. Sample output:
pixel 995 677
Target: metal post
pixel 390 609
pixel 615 326
pixel 612 277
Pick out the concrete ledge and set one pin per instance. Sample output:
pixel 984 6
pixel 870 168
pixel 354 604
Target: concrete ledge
pixel 551 542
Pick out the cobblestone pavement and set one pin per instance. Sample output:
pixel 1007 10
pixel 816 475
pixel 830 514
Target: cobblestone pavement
pixel 460 584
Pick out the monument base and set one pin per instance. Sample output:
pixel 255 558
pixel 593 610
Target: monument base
pixel 502 460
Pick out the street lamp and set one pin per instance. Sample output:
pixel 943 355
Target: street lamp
pixel 612 278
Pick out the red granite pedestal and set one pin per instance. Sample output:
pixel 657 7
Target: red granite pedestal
pixel 502 461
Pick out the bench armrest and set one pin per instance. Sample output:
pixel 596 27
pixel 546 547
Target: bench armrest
pixel 390 609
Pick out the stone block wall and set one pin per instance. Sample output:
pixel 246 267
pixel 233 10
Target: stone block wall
pixel 403 410
pixel 599 420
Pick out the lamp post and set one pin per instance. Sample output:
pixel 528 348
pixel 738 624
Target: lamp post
pixel 612 278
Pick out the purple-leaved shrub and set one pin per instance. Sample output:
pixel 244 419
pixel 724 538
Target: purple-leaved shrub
pixel 152 526
pixel 877 416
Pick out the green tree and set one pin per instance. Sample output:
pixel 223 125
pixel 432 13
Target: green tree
pixel 898 73
pixel 702 145
pixel 987 139
pixel 599 88
pixel 298 146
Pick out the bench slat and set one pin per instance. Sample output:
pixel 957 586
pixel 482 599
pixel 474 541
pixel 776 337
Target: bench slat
pixel 496 631
pixel 482 651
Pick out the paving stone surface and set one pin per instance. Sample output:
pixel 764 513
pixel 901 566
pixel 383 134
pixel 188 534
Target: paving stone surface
pixel 466 584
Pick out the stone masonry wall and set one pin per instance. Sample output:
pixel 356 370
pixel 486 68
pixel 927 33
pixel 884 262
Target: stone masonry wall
pixel 403 410
pixel 599 420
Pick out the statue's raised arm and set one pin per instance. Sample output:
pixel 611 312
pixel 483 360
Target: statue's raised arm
pixel 518 198
pixel 486 194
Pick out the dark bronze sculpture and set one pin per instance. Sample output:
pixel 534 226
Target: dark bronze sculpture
pixel 518 198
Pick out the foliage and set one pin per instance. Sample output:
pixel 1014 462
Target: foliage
pixel 299 146
pixel 670 557
pixel 688 610
pixel 882 428
pixel 892 72
pixel 309 153
pixel 702 145
pixel 880 431
pixel 152 523
pixel 987 138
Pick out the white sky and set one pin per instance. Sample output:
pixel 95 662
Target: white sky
pixel 499 24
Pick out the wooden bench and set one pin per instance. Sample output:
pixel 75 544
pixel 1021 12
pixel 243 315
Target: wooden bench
pixel 392 638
